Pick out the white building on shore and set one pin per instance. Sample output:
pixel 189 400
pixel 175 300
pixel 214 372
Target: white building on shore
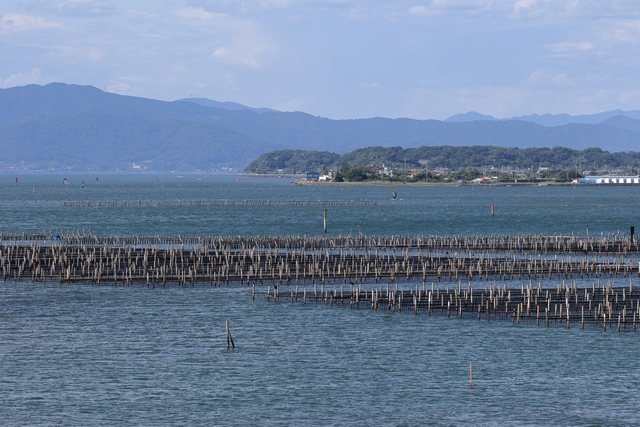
pixel 610 180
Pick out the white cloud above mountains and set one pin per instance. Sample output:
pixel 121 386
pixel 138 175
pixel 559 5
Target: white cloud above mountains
pixel 21 79
pixel 22 22
pixel 564 47
pixel 594 9
pixel 515 8
pixel 542 78
pixel 526 9
pixel 87 7
pixel 246 50
pixel 196 13
pixel 337 58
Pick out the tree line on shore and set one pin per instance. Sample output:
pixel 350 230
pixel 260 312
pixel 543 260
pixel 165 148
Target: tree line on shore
pixel 348 173
pixel 448 163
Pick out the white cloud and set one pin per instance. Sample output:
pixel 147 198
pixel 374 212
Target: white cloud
pixel 19 22
pixel 628 31
pixel 526 9
pixel 291 105
pixel 196 13
pixel 517 9
pixel 234 47
pixel 564 47
pixel 244 52
pixel 542 92
pixel 500 102
pixel 87 7
pixel 525 5
pixel 541 78
pixel 221 52
pixel 240 6
pixel 620 35
pixel 21 79
pixel 250 6
pixel 422 11
pixel 459 7
pixel 529 8
pixel 249 46
pixel 568 9
pixel 119 87
pixel 631 96
pixel 572 50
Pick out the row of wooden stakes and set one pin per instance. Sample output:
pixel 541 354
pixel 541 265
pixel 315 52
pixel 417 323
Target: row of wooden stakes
pixel 217 263
pixel 612 243
pixel 604 306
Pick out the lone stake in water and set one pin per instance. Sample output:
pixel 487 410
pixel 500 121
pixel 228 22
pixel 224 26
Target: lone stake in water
pixel 230 343
pixel 325 220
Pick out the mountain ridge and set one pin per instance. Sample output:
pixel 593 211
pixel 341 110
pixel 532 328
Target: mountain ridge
pixel 548 120
pixel 114 131
pixel 227 105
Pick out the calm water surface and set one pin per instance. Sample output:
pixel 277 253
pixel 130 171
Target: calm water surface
pixel 89 355
pixel 35 204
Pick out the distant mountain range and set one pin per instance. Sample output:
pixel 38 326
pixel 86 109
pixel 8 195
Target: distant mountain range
pixel 71 127
pixel 550 119
pixel 234 106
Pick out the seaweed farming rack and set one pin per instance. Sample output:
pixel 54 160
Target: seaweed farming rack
pixel 83 257
pixel 600 306
pixel 335 261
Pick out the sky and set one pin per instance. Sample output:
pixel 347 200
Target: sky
pixel 341 59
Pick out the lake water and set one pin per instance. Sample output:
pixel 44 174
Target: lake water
pixel 88 355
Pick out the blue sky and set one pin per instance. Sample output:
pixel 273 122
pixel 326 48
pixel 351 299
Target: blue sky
pixel 337 58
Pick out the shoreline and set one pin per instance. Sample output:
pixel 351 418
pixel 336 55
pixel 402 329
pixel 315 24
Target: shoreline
pixel 301 182
pixel 266 175
pixel 441 184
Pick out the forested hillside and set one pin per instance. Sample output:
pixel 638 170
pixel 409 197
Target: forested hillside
pixel 447 157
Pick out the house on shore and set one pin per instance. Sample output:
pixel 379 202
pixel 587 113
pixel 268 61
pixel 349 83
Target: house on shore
pixel 313 176
pixel 485 180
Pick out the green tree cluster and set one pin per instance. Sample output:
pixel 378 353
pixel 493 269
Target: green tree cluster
pixel 449 157
pixel 292 161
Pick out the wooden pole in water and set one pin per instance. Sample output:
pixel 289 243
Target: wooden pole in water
pixel 230 343
pixel 470 374
pixel 492 210
pixel 325 220
pixel 618 323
